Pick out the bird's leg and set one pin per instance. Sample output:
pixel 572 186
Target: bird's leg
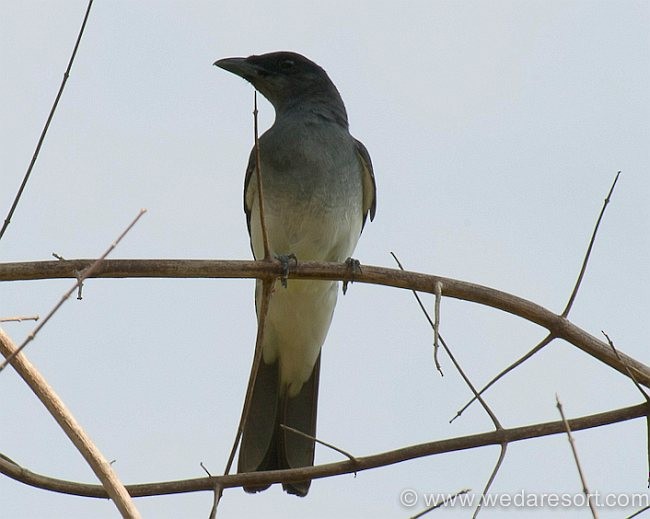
pixel 284 260
pixel 354 267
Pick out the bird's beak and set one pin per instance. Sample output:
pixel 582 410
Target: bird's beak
pixel 238 66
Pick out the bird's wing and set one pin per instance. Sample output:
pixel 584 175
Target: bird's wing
pixel 248 197
pixel 369 186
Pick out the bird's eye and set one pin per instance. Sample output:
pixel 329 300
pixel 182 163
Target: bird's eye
pixel 286 64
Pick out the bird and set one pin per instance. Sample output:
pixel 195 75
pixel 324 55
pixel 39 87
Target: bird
pixel 318 189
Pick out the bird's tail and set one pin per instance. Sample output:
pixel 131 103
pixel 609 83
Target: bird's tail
pixel 267 446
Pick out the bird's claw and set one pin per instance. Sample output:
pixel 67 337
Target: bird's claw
pixel 354 267
pixel 284 260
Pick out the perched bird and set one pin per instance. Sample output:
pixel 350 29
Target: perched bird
pixel 318 187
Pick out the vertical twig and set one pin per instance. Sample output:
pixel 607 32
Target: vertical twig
pixel 495 470
pixel 267 287
pixel 266 295
pixel 66 74
pixel 436 326
pixel 583 268
pixel 258 177
pixel 585 489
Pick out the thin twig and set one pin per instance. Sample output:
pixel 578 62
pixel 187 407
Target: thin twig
pixel 66 74
pixel 258 177
pixel 266 295
pixel 82 276
pixel 585 489
pixel 492 416
pixel 440 503
pixel 639 512
pixel 426 314
pixel 629 371
pixel 565 312
pixel 102 469
pixel 583 268
pixel 495 470
pixel 218 490
pixel 436 326
pixel 19 319
pixel 267 288
pixel 313 438
pixel 645 395
pixel 512 366
pixel 495 420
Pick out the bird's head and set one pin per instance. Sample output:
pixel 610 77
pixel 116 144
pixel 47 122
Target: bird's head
pixel 286 79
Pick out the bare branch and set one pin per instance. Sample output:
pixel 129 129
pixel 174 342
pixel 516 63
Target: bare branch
pixel 438 292
pixel 436 326
pixel 440 503
pixel 267 288
pixel 647 398
pixel 329 445
pixel 574 293
pixel 260 191
pixel 497 466
pixel 81 276
pixel 512 366
pixel 66 74
pixel 102 469
pixel 630 374
pixel 426 314
pixel 585 489
pixel 19 319
pixel 19 473
pixel 564 313
pixel 559 326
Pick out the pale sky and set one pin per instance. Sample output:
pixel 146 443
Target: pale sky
pixel 495 129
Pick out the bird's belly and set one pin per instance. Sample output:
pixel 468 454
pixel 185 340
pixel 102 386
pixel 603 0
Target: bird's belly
pixel 297 323
pixel 314 225
pixel 309 229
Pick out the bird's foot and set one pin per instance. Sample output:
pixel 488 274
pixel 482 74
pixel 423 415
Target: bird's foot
pixel 284 260
pixel 354 267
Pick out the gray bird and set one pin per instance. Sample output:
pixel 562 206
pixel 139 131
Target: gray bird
pixel 318 188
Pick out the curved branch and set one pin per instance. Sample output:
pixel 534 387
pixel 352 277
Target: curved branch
pixel 97 462
pixel 13 470
pixel 558 326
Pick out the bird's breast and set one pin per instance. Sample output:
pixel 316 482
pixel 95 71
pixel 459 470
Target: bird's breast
pixel 313 194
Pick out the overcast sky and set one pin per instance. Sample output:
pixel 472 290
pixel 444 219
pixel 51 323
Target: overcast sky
pixel 495 128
